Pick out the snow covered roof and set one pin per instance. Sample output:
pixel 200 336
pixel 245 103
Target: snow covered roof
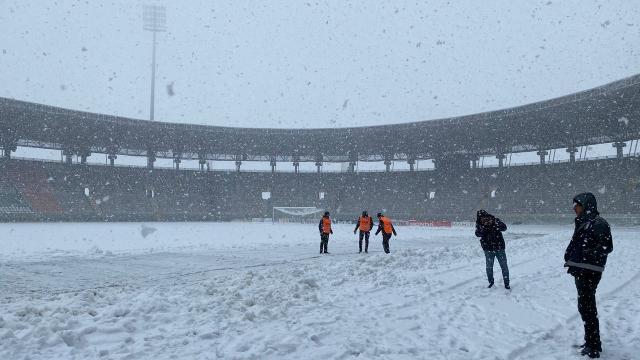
pixel 603 114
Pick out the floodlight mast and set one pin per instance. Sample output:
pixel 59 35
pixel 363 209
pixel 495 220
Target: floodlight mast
pixel 155 20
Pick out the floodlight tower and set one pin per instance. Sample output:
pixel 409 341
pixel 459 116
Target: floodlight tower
pixel 155 20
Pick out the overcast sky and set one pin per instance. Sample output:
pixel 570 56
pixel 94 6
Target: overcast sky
pixel 310 63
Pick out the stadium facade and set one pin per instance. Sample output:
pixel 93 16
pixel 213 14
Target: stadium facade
pixel 43 190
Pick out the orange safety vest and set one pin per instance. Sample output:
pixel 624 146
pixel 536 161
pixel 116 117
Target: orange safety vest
pixel 386 225
pixel 365 223
pixel 326 225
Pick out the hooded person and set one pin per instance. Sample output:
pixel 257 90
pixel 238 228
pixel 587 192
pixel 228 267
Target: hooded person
pixel 585 258
pixel 325 231
pixel 365 224
pixel 489 229
pixel 386 227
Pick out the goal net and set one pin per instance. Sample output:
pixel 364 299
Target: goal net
pixel 295 214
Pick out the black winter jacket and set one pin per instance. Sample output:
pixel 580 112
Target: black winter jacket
pixel 490 236
pixel 591 242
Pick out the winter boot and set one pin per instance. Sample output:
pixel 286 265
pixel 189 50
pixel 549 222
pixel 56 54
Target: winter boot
pixel 597 348
pixel 590 352
pixel 490 285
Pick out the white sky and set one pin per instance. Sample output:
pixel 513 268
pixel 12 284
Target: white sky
pixel 314 64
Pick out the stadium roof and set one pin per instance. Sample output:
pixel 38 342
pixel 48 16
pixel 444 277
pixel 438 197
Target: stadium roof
pixel 604 114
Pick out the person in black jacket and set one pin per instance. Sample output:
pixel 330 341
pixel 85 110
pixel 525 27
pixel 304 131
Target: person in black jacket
pixel 489 229
pixel 365 223
pixel 585 258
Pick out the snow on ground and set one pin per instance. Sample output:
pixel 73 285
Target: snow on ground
pixel 261 291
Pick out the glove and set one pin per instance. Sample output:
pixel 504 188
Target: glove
pixel 354 231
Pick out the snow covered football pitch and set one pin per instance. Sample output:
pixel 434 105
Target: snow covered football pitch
pixel 261 291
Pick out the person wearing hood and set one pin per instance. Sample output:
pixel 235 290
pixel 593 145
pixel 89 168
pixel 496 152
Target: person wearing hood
pixel 386 226
pixel 585 258
pixel 489 229
pixel 325 230
pixel 365 223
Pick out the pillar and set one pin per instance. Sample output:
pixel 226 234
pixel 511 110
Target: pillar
pixel 572 153
pixel 353 161
pixel 387 165
pixel 319 163
pixel 202 161
pixel 272 162
pixel 84 154
pixel 474 162
pixel 9 146
pixel 112 159
pixel 296 163
pixel 151 158
pixel 177 156
pixel 619 145
pixel 68 156
pixel 412 163
pixel 501 158
pixel 542 154
pixel 238 164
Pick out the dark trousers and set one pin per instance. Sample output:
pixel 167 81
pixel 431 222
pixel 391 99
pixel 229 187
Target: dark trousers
pixel 586 284
pixel 502 260
pixel 324 242
pixel 365 235
pixel 385 242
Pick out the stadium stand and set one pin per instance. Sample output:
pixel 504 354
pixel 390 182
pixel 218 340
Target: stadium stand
pixel 77 192
pixel 454 190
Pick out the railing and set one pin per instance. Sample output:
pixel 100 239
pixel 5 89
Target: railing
pixel 312 171
pixel 564 161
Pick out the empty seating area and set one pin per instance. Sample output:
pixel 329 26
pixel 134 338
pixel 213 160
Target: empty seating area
pixel 11 203
pixel 74 192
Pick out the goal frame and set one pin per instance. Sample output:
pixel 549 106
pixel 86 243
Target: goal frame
pixel 312 210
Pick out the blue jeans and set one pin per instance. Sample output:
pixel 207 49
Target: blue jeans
pixel 502 260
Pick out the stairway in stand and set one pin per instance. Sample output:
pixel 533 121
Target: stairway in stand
pixel 31 180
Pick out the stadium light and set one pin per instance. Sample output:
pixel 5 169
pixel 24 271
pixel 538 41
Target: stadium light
pixel 154 20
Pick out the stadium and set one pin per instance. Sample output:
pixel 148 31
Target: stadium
pixel 110 260
pixel 320 180
pixel 452 190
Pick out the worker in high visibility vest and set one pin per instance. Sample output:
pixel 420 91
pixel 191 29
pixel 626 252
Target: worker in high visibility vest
pixel 385 225
pixel 365 223
pixel 325 230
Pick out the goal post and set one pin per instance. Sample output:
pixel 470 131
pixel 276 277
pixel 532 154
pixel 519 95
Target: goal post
pixel 297 214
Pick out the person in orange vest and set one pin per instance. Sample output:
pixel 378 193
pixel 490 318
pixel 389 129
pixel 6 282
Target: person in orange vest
pixel 365 223
pixel 385 225
pixel 325 230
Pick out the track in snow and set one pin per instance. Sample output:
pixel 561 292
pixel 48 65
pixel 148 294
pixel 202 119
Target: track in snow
pixel 246 298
